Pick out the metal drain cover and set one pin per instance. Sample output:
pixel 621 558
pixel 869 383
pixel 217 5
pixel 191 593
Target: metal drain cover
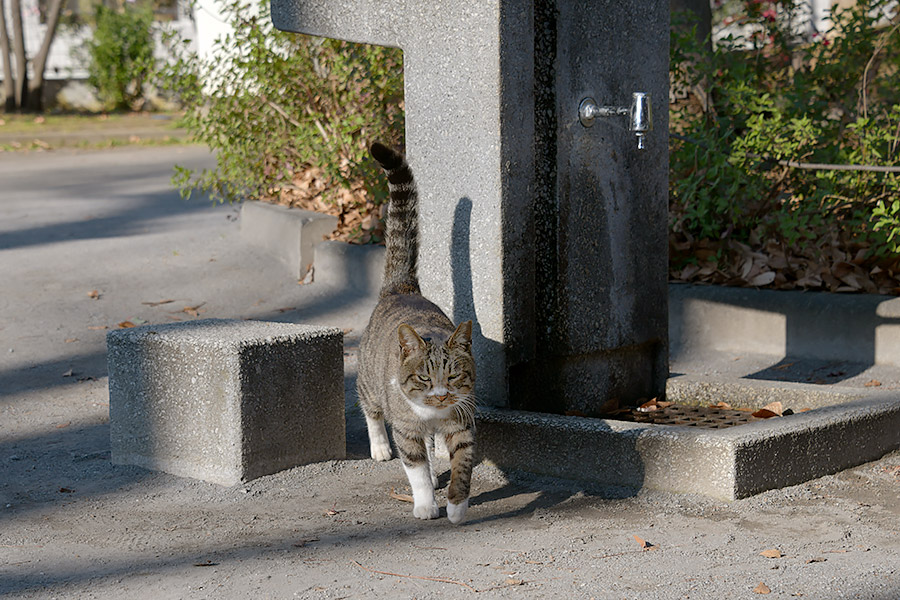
pixel 706 417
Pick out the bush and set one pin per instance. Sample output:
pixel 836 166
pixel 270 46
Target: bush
pixel 121 55
pixel 290 116
pixel 766 98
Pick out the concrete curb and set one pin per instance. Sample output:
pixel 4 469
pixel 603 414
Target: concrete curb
pixel 727 464
pixel 289 234
pixel 861 328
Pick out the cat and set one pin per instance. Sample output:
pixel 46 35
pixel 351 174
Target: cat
pixel 416 369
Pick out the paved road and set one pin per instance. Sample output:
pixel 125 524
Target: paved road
pixel 72 525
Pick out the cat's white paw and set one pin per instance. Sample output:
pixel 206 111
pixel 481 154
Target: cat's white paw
pixel 456 513
pixel 425 510
pixel 380 451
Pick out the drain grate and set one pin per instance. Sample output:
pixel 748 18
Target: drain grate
pixel 706 417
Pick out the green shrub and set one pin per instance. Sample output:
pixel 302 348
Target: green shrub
pixel 121 55
pixel 275 104
pixel 766 97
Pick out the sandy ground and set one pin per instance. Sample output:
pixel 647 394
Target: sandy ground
pixel 72 525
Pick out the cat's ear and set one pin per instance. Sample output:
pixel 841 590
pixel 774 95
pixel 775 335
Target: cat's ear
pixel 462 337
pixel 409 340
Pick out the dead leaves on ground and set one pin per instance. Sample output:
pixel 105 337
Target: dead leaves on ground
pixel 654 405
pixel 359 220
pixel 832 265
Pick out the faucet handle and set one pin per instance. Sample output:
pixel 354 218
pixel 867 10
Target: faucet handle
pixel 640 116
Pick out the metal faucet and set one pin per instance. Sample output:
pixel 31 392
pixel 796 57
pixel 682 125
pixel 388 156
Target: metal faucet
pixel 640 117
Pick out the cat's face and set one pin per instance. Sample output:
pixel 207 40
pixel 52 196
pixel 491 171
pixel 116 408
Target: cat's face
pixel 438 375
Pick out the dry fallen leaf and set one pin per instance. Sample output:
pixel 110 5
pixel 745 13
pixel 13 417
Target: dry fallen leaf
pixel 772 553
pixel 194 311
pixel 126 325
pixel 722 405
pixel 873 383
pixel 71 340
pixel 645 545
pixel 94 295
pixel 511 582
pixel 97 327
pixel 763 279
pixel 768 411
pixel 762 589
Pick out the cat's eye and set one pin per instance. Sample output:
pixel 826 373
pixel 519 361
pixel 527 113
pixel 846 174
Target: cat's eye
pixel 452 377
pixel 423 378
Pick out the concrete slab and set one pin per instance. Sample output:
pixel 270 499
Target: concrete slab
pixel 289 234
pixel 225 400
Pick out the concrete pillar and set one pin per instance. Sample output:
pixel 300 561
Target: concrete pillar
pixel 552 236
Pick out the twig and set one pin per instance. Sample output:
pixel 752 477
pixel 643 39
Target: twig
pixel 401 497
pixel 281 112
pixel 799 165
pixel 437 579
pixel 865 84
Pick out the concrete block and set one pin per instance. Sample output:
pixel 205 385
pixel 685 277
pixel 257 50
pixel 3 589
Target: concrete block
pixel 290 234
pixel 225 401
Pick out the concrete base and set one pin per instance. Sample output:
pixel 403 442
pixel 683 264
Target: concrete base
pixel 225 401
pixel 834 354
pixel 727 463
pixel 289 234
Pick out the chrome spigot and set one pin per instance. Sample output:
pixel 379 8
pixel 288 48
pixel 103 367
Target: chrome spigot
pixel 640 117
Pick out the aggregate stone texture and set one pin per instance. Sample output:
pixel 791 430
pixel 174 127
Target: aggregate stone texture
pixel 225 400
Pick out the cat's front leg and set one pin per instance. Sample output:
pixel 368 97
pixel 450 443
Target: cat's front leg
pixel 379 444
pixel 461 446
pixel 415 462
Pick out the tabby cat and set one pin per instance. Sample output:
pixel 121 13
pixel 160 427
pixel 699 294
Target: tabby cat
pixel 415 369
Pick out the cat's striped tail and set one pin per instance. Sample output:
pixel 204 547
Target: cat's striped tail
pixel 401 225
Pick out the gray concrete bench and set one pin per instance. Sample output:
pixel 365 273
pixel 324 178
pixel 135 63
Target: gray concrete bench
pixel 225 401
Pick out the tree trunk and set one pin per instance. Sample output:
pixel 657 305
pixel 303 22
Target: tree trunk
pixel 21 80
pixel 35 98
pixel 9 89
